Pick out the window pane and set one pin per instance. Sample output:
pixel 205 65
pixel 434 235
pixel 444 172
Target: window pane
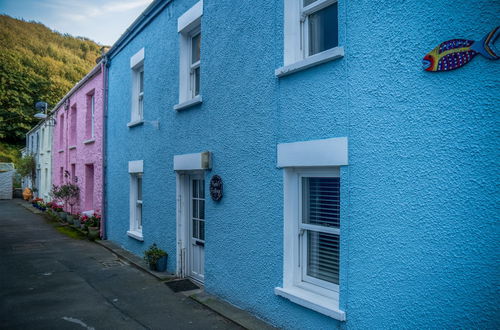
pixel 195 48
pixel 139 216
pixel 141 81
pixel 195 229
pixel 195 208
pixel 202 230
pixel 202 188
pixel 308 2
pixel 201 209
pixel 196 82
pixel 323 256
pixel 321 201
pixel 195 188
pixel 139 187
pixel 323 29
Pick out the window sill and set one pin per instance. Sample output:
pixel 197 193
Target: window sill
pixel 316 302
pixel 309 62
pixel 188 104
pixel 135 235
pixel 89 141
pixel 135 123
pixel 62 150
pixel 72 147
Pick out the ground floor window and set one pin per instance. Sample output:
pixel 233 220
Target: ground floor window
pixel 135 192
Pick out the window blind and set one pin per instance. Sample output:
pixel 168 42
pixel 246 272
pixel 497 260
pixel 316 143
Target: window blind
pixel 321 209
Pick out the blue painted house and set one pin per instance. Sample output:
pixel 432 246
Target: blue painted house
pixel 359 191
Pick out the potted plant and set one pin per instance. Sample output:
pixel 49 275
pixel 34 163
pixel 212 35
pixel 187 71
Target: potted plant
pixel 76 220
pixel 92 223
pixel 156 258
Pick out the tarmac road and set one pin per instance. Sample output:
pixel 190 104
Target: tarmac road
pixel 51 281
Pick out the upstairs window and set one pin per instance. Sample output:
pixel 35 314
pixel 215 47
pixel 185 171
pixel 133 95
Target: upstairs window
pixel 72 131
pixel 61 131
pixel 319 25
pixel 89 116
pixel 189 28
pixel 137 66
pixel 311 34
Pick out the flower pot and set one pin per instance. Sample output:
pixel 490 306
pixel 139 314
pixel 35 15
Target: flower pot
pixel 93 233
pixel 76 223
pixel 62 215
pixel 161 264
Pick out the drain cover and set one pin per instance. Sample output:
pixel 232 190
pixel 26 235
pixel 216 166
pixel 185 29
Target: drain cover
pixel 181 285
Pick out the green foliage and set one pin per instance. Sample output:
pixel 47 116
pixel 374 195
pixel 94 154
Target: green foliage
pixel 9 153
pixel 153 254
pixel 26 166
pixel 36 64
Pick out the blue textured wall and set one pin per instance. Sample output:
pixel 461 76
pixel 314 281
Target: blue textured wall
pixel 419 195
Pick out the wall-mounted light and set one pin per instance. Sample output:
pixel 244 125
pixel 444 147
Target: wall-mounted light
pixel 42 107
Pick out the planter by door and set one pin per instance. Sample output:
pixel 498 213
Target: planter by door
pixel 161 264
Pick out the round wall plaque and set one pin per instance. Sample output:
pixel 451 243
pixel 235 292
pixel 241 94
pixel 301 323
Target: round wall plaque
pixel 216 188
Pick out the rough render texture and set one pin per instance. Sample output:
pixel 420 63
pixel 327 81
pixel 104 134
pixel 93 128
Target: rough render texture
pixel 84 153
pixel 419 196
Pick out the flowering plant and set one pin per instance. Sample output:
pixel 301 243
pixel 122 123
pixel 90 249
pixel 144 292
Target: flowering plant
pixel 54 207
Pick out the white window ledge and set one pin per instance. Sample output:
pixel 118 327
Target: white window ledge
pixel 89 141
pixel 309 62
pixel 72 147
pixel 316 302
pixel 188 104
pixel 136 235
pixel 135 123
pixel 62 150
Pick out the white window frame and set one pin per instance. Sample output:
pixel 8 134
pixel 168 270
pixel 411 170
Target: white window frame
pixel 307 159
pixel 137 109
pixel 296 35
pixel 188 26
pixel 135 169
pixel 92 109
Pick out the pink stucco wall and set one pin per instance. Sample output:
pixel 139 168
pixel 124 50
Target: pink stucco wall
pixel 74 147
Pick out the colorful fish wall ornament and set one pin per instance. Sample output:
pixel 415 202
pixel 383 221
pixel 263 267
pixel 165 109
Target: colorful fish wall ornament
pixel 455 53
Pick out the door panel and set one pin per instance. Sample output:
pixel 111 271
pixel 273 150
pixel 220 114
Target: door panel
pixel 197 228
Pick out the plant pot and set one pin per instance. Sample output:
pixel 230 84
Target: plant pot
pixel 62 215
pixel 93 233
pixel 76 223
pixel 161 264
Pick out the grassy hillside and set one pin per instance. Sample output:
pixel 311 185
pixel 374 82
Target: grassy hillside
pixel 36 64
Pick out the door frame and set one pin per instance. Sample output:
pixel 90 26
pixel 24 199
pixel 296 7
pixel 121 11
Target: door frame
pixel 183 233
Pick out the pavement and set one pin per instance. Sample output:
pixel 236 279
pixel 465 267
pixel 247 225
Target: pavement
pixel 49 280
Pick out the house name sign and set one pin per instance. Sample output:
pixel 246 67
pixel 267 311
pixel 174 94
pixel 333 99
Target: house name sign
pixel 216 188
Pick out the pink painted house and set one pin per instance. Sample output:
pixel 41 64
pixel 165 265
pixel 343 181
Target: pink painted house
pixel 78 141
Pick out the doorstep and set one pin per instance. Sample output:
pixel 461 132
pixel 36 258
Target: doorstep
pixel 133 259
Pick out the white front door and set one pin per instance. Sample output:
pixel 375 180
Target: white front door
pixel 196 225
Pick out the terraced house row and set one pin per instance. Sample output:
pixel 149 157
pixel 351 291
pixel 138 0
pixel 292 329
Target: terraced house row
pixel 295 159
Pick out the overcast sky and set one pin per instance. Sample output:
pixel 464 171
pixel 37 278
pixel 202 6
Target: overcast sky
pixel 100 20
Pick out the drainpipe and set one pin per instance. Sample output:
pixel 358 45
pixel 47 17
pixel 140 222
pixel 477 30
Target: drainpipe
pixel 104 69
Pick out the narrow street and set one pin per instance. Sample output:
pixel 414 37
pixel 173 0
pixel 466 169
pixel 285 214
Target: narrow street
pixel 51 281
